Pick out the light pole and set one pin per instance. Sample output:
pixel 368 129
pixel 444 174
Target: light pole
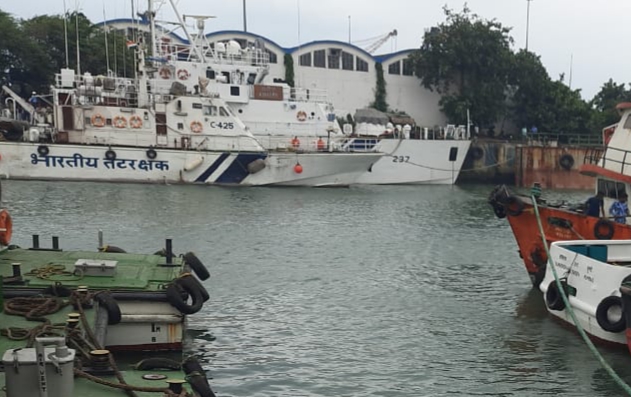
pixel 527 22
pixel 245 23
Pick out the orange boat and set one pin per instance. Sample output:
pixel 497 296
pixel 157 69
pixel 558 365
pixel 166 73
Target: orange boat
pixel 611 169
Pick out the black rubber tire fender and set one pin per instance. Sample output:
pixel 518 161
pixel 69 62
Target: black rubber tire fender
pixel 151 154
pixel 603 320
pixel 604 229
pixel 197 377
pixel 566 161
pixel 204 293
pixel 499 210
pixel 197 266
pixel 514 206
pixel 157 363
pixel 107 301
pixel 175 298
pixel 112 248
pixel 43 150
pixel 110 155
pixel 554 300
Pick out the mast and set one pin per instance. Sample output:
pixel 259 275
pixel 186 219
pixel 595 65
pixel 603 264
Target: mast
pixel 196 50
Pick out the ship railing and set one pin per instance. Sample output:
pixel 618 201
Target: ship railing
pixel 302 144
pixel 300 94
pixel 291 129
pixel 552 139
pixel 617 160
pixel 247 57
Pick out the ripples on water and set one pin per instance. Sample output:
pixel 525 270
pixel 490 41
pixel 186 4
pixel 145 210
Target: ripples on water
pixel 372 291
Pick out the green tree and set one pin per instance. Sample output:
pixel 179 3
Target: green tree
pixel 528 86
pixel 467 60
pixel 380 90
pixel 604 104
pixel 289 69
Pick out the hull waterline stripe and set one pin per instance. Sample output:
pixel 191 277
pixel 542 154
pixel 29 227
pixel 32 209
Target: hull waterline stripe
pixel 212 168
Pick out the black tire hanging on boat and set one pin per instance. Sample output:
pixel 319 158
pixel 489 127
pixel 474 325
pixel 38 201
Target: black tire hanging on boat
pixel 112 249
pixel 157 363
pixel 514 206
pixel 604 229
pixel 108 302
pixel 110 155
pixel 196 377
pixel 197 266
pixel 603 319
pixel 554 300
pixel 43 150
pixel 174 295
pixel 202 290
pixel 566 161
pixel 499 210
pixel 151 154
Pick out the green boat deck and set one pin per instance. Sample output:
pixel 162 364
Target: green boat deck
pixel 134 272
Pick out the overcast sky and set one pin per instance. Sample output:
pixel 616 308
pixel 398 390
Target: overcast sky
pixel 586 37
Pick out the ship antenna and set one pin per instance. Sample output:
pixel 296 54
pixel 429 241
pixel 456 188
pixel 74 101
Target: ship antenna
pixel 66 33
pixel 76 15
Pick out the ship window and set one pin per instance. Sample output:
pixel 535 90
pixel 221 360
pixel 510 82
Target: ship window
pixel 394 68
pixel 347 61
pixel 305 59
pixel 611 189
pixel 272 56
pixel 180 126
pixel 210 74
pixel 197 106
pixel 362 65
pixel 627 122
pixel 319 59
pixel 235 91
pixel 223 112
pixel 407 68
pixel 210 110
pixel 251 78
pixel 108 121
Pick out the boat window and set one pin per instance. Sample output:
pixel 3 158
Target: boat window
pixel 611 189
pixel 223 112
pixel 210 110
pixel 197 106
pixel 235 91
pixel 347 61
pixel 251 78
pixel 361 65
pixel 627 122
pixel 210 74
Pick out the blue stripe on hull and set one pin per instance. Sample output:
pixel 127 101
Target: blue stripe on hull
pixel 212 168
pixel 238 170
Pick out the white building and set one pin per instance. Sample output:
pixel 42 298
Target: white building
pixel 346 72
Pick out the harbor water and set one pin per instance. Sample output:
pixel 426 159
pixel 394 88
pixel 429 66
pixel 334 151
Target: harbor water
pixel 365 291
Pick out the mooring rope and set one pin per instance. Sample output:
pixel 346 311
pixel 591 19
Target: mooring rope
pixel 568 307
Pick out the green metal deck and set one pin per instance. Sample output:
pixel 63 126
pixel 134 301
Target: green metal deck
pixel 134 272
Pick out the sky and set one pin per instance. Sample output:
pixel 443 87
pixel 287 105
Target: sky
pixel 584 40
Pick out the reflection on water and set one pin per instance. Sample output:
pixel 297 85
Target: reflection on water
pixel 383 291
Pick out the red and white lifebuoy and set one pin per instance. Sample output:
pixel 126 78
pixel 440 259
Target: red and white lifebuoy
pixel 196 127
pixel 301 115
pixel 135 121
pixel 183 74
pixel 119 122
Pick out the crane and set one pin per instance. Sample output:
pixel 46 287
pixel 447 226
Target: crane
pixel 372 44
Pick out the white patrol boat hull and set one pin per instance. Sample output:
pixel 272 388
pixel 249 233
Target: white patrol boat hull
pixel 417 161
pixel 594 270
pixel 34 161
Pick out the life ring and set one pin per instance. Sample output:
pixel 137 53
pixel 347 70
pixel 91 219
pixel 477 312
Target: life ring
pixel 165 73
pixel 107 301
pixel 514 206
pixel 43 150
pixel 110 155
pixel 196 127
pixel 151 154
pixel 119 122
pixel 604 229
pixel 97 120
pixel 301 115
pixel 477 152
pixel 602 316
pixel 183 74
pixel 566 161
pixel 197 265
pixel 185 286
pixel 6 223
pixel 135 121
pixel 554 300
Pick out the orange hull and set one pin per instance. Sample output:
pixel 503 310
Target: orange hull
pixel 558 224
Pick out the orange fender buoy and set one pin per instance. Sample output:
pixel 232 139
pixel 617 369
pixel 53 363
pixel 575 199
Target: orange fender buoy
pixel 6 227
pixel 298 168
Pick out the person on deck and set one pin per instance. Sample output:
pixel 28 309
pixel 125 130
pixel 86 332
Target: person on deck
pixel 595 206
pixel 619 209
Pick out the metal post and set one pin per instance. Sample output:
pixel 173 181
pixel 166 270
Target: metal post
pixel 169 250
pixel 35 241
pixel 245 22
pixel 55 242
pixel 527 22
